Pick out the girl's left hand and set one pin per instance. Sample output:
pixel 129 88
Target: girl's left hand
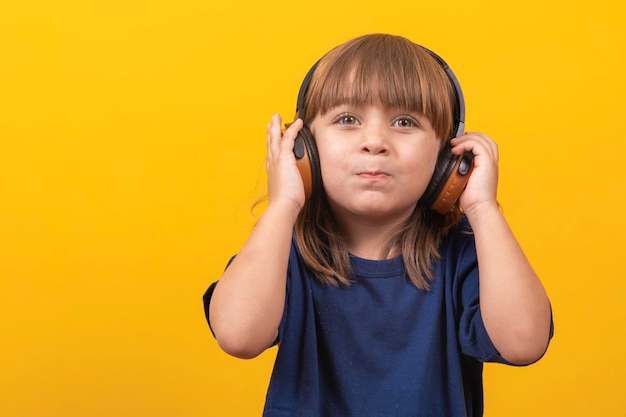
pixel 483 183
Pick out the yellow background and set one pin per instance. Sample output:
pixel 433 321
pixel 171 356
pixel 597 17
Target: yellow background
pixel 132 144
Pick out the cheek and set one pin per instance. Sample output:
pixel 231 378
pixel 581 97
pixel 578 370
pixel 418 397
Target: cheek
pixel 418 170
pixel 421 163
pixel 333 159
pixel 332 168
pixel 430 164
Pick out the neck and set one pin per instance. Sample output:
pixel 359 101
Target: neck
pixel 369 238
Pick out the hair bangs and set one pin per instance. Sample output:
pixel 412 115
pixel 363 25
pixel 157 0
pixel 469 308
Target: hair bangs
pixel 393 72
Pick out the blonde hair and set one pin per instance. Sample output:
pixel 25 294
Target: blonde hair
pixel 395 72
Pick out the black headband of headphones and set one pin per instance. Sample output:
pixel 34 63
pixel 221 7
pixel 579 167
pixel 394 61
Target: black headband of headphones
pixel 459 109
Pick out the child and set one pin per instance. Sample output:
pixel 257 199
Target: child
pixel 372 297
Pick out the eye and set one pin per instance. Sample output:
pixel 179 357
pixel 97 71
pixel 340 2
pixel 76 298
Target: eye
pixel 405 122
pixel 347 120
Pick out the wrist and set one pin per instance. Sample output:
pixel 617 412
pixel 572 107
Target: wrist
pixel 483 211
pixel 284 209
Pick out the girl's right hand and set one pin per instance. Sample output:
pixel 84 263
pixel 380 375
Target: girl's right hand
pixel 283 178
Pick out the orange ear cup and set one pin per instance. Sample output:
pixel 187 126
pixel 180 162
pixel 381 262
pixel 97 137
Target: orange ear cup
pixel 304 166
pixel 454 186
pixel 307 161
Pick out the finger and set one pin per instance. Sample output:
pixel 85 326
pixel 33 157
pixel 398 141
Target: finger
pixel 488 144
pixel 290 134
pixel 268 139
pixel 274 135
pixel 295 127
pixel 476 143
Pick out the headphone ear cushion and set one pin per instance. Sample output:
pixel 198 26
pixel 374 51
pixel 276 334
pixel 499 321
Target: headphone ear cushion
pixel 448 181
pixel 443 168
pixel 308 162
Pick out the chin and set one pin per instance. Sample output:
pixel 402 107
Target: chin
pixel 383 212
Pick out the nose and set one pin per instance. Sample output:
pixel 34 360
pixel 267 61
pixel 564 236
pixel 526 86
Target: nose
pixel 375 141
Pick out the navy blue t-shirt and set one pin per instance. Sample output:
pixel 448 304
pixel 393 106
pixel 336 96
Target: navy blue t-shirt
pixel 380 346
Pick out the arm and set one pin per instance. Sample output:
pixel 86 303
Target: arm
pixel 248 301
pixel 514 305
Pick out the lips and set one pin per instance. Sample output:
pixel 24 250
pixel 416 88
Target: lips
pixel 373 174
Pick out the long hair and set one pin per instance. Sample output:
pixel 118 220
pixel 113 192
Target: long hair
pixel 395 72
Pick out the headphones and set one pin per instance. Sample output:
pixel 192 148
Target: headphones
pixel 451 172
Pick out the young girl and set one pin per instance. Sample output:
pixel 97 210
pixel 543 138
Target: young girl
pixel 379 305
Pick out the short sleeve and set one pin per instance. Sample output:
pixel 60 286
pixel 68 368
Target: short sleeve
pixel 473 337
pixel 206 299
pixel 208 294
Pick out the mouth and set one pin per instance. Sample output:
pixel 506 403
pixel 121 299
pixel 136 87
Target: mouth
pixel 373 174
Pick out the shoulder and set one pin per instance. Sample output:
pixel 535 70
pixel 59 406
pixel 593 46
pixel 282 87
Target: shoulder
pixel 298 273
pixel 295 256
pixel 457 254
pixel 458 238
